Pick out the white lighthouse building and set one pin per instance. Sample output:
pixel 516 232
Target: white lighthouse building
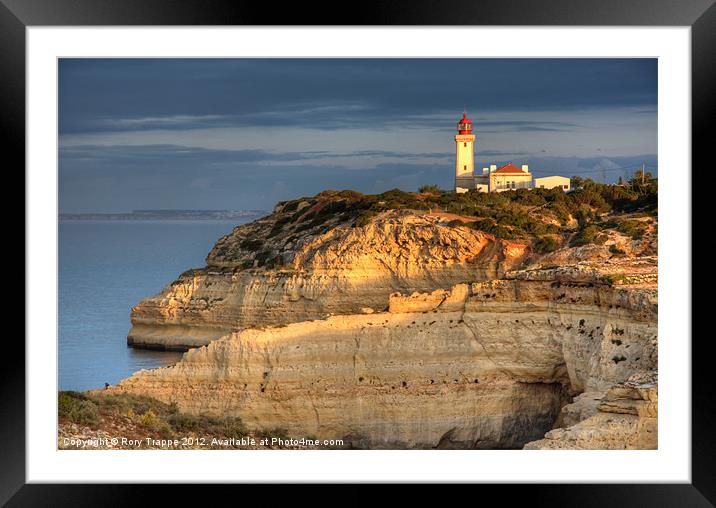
pixel 464 155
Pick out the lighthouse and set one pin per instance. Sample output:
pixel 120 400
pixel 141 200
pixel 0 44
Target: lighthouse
pixel 464 155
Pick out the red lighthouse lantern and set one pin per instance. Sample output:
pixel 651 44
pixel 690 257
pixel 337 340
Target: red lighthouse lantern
pixel 464 126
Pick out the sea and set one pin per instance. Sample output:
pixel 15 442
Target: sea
pixel 105 268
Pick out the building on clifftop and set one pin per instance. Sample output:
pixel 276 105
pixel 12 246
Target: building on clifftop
pixel 492 178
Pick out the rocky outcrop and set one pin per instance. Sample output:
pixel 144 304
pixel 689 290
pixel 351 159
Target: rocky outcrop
pixel 272 272
pixel 625 417
pixel 613 245
pixel 483 365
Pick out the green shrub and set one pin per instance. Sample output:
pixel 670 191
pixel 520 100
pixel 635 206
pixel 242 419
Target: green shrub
pixel 541 229
pixel 278 432
pixel 364 218
pixel 155 423
pixel 291 206
pixel 546 244
pixel 490 227
pixel 251 244
pixel 633 228
pixel 196 424
pixel 125 403
pixel 616 251
pixel 264 257
pixel 184 423
pixel 430 189
pixel 78 408
pixel 148 419
pixel 590 234
pixel 278 227
pixel 349 194
pixel 560 211
pixel 230 427
pixel 615 278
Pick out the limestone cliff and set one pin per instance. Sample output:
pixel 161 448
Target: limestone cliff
pixel 482 365
pixel 395 321
pixel 287 267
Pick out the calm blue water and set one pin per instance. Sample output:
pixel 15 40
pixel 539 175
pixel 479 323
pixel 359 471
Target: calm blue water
pixel 105 268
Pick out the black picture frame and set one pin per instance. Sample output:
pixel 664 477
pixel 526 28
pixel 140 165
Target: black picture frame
pixel 700 15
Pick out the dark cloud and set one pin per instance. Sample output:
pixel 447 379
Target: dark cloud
pixel 119 155
pixel 174 155
pixel 526 124
pixel 139 94
pixel 499 153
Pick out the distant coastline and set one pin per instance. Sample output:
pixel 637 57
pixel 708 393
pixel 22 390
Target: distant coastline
pixel 167 215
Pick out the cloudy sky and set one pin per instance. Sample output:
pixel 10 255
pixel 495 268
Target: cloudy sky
pixel 245 133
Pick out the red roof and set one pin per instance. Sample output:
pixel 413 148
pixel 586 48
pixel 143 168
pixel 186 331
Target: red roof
pixel 509 169
pixel 464 126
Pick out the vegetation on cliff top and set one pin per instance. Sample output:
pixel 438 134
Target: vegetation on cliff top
pixel 520 213
pixel 511 208
pixel 145 414
pixel 546 217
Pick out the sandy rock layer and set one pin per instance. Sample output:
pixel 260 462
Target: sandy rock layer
pixel 483 365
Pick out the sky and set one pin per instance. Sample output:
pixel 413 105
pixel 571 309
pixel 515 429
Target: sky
pixel 245 133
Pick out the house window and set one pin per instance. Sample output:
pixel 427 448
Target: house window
pixel 566 186
pixel 465 167
pixel 465 144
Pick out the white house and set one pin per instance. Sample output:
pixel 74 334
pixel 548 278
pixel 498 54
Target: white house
pixel 550 182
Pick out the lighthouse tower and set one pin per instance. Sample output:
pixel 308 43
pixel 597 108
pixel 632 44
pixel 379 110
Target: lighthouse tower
pixel 464 155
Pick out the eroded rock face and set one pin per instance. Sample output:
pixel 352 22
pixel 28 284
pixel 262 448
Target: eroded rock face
pixel 289 277
pixel 317 321
pixel 483 365
pixel 625 417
